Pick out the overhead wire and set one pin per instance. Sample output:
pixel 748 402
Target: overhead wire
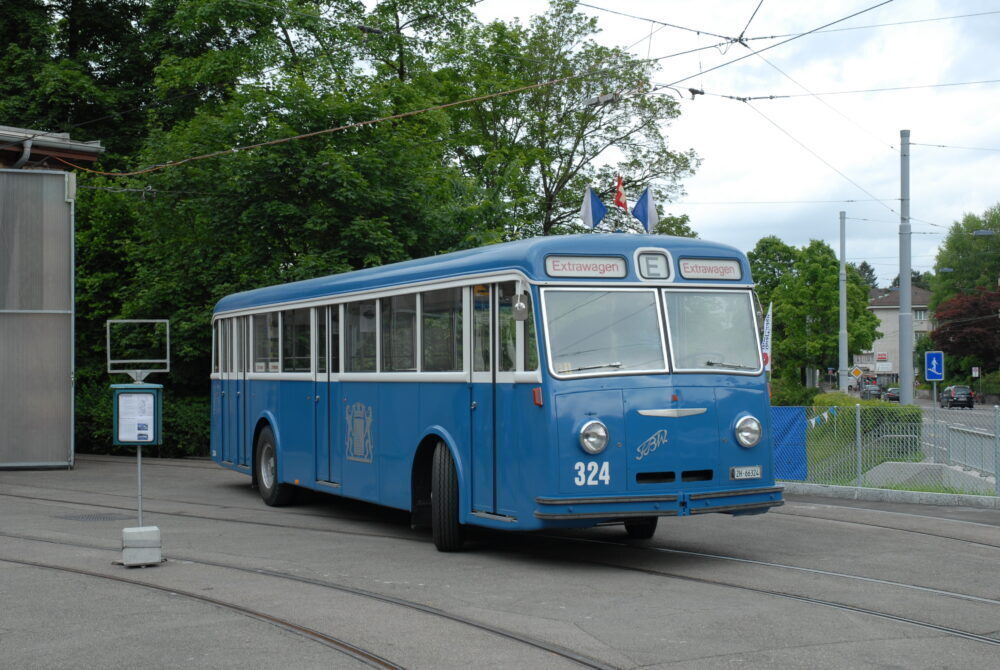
pixel 948 146
pixel 783 42
pixel 853 91
pixel 402 115
pixel 749 21
pixel 820 158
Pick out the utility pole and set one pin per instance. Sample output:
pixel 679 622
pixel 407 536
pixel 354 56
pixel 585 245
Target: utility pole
pixel 905 295
pixel 842 366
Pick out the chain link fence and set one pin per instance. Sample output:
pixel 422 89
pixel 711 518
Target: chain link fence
pixel 907 448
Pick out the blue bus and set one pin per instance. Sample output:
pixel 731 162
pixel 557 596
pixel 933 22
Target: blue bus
pixel 553 382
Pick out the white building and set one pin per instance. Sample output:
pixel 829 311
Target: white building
pixel 883 359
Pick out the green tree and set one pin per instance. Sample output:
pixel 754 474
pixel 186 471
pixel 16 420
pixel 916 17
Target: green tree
pixel 806 305
pixel 867 272
pixel 536 151
pixel 770 261
pixel 965 260
pixel 968 331
pixel 921 279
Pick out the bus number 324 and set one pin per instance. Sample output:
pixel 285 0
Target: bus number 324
pixel 592 473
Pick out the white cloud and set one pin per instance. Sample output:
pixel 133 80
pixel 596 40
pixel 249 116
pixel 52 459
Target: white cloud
pixel 745 158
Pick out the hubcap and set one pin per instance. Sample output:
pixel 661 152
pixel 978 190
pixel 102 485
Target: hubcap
pixel 268 468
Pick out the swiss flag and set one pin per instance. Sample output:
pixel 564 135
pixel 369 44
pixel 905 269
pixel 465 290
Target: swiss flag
pixel 620 194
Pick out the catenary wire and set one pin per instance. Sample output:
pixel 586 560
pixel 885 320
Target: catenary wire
pixel 778 44
pixel 820 158
pixel 441 106
pixel 862 90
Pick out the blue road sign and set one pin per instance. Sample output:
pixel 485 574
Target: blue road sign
pixel 934 366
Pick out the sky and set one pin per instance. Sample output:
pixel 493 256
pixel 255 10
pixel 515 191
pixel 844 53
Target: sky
pixel 788 166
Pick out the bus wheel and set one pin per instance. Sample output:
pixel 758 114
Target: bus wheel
pixel 266 464
pixel 641 528
pixel 447 532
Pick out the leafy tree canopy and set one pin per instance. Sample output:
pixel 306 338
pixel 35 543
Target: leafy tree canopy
pixel 806 301
pixel 968 330
pixel 162 80
pixel 965 260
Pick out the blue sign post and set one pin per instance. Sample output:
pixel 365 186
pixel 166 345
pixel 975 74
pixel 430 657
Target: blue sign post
pixel 934 366
pixel 934 370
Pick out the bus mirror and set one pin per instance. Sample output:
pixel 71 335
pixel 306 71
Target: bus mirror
pixel 519 307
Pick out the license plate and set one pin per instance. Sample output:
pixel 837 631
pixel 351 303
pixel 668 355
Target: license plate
pixel 745 472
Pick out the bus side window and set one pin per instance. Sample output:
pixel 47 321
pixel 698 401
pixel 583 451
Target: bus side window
pixel 334 339
pixel 215 347
pixel 361 341
pixel 226 344
pixel 295 334
pixel 481 349
pixel 321 357
pixel 399 333
pixel 530 341
pixel 508 328
pixel 265 342
pixel 441 330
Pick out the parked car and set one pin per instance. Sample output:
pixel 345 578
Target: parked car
pixel 956 396
pixel 892 395
pixel 871 392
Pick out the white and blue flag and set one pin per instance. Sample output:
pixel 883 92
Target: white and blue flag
pixel 593 210
pixel 645 210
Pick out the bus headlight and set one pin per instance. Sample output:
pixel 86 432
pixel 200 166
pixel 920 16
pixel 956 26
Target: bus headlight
pixel 593 437
pixel 748 431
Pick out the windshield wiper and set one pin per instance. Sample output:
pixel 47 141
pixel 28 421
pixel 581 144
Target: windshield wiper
pixel 733 366
pixel 616 364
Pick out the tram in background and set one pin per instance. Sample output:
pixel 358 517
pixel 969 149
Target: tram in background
pixel 561 381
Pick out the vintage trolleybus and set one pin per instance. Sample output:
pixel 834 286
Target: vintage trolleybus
pixel 552 382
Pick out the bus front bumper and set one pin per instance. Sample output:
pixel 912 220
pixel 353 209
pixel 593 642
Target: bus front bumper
pixel 606 508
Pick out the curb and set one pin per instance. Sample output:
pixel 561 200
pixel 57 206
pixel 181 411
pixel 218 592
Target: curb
pixel 891 495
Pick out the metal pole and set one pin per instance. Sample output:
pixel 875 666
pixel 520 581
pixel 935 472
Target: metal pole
pixel 996 449
pixel 905 295
pixel 842 372
pixel 935 432
pixel 857 441
pixel 138 455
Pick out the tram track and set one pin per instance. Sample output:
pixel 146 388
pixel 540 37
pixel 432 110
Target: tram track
pixel 354 651
pixel 533 541
pixel 557 650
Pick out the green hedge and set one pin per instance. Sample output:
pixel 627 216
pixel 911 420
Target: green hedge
pixel 185 423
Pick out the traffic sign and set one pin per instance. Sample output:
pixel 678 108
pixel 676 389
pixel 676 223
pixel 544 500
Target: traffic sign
pixel 934 366
pixel 856 372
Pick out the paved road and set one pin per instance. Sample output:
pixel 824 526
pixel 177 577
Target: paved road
pixel 814 584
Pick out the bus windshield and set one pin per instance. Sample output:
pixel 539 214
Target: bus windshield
pixel 712 330
pixel 616 331
pixel 603 331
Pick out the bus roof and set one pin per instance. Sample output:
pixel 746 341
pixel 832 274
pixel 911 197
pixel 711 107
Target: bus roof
pixel 525 256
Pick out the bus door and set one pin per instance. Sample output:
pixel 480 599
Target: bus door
pixel 241 363
pixel 329 465
pixel 483 399
pixel 232 391
pixel 495 351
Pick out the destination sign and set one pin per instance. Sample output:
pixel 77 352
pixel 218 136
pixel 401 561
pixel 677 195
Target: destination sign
pixel 710 268
pixel 585 266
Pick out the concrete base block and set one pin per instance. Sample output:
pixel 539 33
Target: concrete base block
pixel 141 546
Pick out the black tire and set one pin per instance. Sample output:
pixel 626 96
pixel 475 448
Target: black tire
pixel 265 464
pixel 641 528
pixel 446 530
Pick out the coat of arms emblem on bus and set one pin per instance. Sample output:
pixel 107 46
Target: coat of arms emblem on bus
pixel 652 443
pixel 359 433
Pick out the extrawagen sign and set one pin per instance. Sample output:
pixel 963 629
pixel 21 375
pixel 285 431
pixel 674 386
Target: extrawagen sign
pixel 585 266
pixel 710 268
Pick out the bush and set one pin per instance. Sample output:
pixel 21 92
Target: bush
pixel 185 423
pixel 790 393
